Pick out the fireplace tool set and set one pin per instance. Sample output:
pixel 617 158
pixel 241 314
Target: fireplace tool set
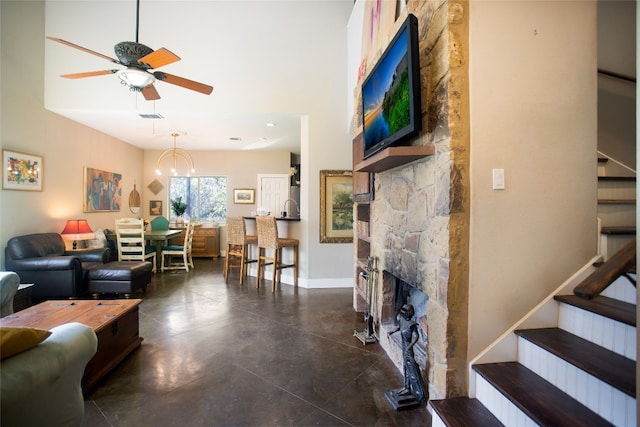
pixel 369 334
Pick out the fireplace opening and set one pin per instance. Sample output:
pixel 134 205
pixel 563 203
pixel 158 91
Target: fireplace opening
pixel 396 293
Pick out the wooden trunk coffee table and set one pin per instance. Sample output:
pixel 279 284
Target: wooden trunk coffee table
pixel 115 323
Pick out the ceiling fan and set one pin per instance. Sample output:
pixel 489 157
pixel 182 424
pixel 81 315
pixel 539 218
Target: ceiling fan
pixel 139 60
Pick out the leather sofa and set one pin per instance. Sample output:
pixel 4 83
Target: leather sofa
pixel 41 259
pixel 42 385
pixel 9 282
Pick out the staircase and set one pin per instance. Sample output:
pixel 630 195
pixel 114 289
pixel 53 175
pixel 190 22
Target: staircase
pixel 570 362
pixel 616 205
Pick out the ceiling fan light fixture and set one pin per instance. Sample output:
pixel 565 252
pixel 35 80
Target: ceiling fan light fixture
pixel 136 79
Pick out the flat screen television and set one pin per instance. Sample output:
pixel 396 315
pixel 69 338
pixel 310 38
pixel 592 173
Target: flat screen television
pixel 391 110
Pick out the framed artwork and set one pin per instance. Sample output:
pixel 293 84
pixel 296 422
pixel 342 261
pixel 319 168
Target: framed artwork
pixel 102 191
pixel 21 171
pixel 244 195
pixel 336 206
pixel 155 207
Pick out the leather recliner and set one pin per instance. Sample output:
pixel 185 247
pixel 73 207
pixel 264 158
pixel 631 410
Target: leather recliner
pixel 41 259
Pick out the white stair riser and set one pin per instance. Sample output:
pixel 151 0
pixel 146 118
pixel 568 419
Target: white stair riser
pixel 621 289
pixel 617 190
pixel 617 215
pixel 436 421
pixel 610 244
pixel 610 403
pixel 500 406
pixel 607 333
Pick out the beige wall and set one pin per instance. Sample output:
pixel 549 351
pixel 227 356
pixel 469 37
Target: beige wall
pixel 68 146
pixel 240 167
pixel 533 112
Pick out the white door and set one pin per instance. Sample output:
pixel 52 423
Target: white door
pixel 273 191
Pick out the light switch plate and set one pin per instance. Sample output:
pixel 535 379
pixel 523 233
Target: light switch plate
pixel 498 179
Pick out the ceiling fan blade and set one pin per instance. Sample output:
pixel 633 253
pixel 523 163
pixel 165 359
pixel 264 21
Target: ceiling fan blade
pixel 159 58
pixel 84 49
pixel 150 93
pixel 88 74
pixel 182 82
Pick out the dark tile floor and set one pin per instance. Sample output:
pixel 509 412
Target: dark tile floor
pixel 217 354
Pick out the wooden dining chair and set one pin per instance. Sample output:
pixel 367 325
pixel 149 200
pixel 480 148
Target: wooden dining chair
pixel 171 252
pixel 238 250
pixel 268 240
pixel 131 242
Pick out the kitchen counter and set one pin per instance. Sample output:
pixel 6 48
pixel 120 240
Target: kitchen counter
pixel 279 218
pixel 287 226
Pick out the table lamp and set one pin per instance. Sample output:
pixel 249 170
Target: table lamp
pixel 77 229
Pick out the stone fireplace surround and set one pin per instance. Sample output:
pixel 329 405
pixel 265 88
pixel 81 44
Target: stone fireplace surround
pixel 419 211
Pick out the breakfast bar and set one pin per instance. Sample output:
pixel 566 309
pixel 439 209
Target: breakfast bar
pixel 284 226
pixel 288 227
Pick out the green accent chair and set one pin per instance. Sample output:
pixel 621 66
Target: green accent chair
pixel 159 223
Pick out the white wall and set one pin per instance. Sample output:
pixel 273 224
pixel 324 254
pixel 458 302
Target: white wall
pixel 533 103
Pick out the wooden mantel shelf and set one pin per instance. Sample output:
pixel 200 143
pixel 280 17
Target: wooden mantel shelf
pixel 392 157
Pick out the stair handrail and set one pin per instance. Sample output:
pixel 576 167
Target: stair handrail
pixel 617 162
pixel 608 272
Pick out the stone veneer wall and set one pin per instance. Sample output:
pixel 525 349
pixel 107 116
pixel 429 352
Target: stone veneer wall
pixel 420 215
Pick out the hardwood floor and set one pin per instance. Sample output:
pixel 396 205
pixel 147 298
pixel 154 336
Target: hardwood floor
pixel 217 354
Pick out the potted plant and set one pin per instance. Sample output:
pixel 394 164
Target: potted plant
pixel 179 207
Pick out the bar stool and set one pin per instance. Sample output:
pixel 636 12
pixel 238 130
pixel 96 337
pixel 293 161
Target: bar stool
pixel 238 246
pixel 268 240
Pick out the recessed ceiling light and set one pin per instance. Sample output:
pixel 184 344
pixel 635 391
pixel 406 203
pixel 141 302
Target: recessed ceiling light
pixel 271 125
pixel 262 139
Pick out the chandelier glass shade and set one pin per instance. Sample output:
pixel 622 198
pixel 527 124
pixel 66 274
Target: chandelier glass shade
pixel 175 154
pixel 136 79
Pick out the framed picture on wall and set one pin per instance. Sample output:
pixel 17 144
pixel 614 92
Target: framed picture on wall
pixel 336 206
pixel 102 191
pixel 244 195
pixel 21 171
pixel 155 207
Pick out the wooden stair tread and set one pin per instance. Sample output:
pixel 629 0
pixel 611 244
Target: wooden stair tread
pixel 544 403
pixel 612 308
pixel 464 412
pixel 616 178
pixel 617 201
pixel 612 368
pixel 618 229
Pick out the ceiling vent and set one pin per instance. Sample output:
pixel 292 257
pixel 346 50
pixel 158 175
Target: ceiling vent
pixel 151 116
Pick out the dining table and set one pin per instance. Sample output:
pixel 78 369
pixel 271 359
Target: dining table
pixel 158 238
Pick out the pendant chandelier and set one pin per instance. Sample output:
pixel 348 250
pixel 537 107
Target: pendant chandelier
pixel 175 153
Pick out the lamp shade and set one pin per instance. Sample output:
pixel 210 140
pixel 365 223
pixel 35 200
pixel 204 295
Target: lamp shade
pixel 77 229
